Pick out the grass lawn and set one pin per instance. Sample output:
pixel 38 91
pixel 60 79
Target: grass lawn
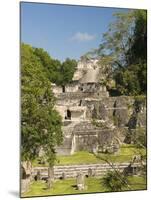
pixel 82 157
pixel 68 186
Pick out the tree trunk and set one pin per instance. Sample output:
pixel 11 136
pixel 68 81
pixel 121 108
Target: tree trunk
pixel 50 176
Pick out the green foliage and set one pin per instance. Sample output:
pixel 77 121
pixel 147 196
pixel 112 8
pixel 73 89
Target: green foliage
pixel 131 80
pixel 127 81
pixel 57 72
pixel 115 181
pixel 124 47
pixel 139 137
pixel 115 42
pixel 134 75
pixel 40 123
pixel 138 49
pixel 51 66
pixel 66 71
pixel 140 99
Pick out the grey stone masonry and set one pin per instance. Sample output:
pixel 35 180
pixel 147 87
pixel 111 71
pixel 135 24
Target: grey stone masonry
pixel 71 171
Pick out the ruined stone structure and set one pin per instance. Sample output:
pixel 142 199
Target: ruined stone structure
pixel 92 120
pixel 97 170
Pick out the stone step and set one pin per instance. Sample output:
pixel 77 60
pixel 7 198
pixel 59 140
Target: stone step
pixel 83 171
pixel 82 165
pixel 72 170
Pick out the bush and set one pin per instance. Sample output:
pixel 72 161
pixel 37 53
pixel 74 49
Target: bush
pixel 115 181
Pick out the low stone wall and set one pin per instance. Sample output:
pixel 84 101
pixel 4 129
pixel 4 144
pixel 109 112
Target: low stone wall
pixel 71 171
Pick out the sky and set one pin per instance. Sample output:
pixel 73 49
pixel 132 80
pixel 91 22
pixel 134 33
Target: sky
pixel 64 31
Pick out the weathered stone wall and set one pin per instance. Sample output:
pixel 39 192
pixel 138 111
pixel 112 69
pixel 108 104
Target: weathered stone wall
pixel 71 171
pixel 56 89
pixel 92 87
pixel 68 102
pixel 82 95
pixel 72 87
pixel 118 115
pixel 90 137
pixel 118 110
pixel 85 100
pixel 66 147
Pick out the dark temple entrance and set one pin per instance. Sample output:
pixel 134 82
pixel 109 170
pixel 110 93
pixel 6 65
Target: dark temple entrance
pixel 68 114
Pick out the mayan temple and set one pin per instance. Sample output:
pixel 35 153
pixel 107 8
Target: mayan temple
pixel 83 99
pixel 92 121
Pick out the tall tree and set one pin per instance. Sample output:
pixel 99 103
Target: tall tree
pixel 40 122
pixel 124 47
pixel 52 66
pixel 66 71
pixel 138 46
pixel 116 41
pixel 59 73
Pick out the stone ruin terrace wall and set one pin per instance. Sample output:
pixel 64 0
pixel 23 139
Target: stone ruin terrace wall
pixel 115 111
pixel 81 95
pixel 109 108
pixel 77 113
pixel 71 171
pixel 114 108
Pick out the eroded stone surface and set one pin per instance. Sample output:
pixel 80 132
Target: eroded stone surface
pixel 92 120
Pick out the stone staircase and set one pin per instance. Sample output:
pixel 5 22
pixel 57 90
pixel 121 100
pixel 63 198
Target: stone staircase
pixel 67 130
pixel 66 147
pixel 71 171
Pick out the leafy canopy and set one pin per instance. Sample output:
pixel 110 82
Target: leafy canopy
pixel 59 73
pixel 124 47
pixel 40 123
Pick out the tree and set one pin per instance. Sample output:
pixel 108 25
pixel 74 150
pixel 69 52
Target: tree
pixel 67 70
pixel 59 73
pixel 124 47
pixel 40 122
pixel 138 46
pixel 52 66
pixel 137 53
pixel 116 41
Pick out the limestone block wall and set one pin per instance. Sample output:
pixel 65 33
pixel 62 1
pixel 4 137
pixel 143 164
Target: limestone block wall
pixel 118 110
pixel 118 113
pixel 71 171
pixel 92 87
pixel 72 112
pixel 72 87
pixel 82 95
pixel 68 102
pixel 92 75
pixel 56 89
pixel 78 113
